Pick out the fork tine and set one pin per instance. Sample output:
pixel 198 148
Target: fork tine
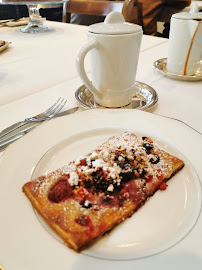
pixel 60 107
pixel 52 107
pixel 57 108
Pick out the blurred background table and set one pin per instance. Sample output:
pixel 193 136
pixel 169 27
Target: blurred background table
pixel 199 3
pixel 35 24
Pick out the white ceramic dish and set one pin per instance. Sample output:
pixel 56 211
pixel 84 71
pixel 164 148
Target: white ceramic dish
pixel 5 46
pixel 25 244
pixel 135 237
pixel 110 43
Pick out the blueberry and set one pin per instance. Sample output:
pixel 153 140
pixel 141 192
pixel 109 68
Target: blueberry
pixel 100 183
pixel 141 172
pixel 148 147
pixel 126 171
pixel 121 157
pixel 88 184
pixel 121 164
pixel 155 159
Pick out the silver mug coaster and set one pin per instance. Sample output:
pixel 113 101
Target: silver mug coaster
pixel 144 97
pixel 161 65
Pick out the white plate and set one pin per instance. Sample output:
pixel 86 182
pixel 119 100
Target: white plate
pixel 134 238
pixel 163 221
pixel 5 46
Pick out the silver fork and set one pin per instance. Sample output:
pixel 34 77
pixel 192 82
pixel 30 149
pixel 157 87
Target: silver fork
pixel 49 113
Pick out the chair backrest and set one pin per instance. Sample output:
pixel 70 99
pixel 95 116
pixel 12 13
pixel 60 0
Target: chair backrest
pixel 97 8
pixel 137 13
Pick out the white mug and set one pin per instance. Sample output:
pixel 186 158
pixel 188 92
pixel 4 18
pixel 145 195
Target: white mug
pixel 114 47
pixel 185 39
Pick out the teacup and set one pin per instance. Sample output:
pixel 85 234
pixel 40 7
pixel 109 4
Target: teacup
pixel 114 47
pixel 184 46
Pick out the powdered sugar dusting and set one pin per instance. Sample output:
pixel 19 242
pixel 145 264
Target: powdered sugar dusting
pixel 108 157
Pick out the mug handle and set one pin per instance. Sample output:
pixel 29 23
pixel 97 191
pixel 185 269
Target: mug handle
pixel 80 65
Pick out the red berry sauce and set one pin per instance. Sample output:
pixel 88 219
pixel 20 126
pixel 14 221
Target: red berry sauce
pixel 60 191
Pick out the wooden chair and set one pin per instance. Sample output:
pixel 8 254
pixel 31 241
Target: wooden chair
pixel 137 14
pixel 97 8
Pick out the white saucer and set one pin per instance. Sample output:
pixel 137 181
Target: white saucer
pixel 5 46
pixel 161 64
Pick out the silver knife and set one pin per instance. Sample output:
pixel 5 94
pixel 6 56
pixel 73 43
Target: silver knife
pixel 27 127
pixel 69 111
pixel 17 136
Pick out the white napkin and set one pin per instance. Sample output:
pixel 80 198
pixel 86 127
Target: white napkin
pixel 22 21
pixel 13 23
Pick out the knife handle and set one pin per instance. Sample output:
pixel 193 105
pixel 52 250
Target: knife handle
pixel 12 128
pixel 11 139
pixel 5 142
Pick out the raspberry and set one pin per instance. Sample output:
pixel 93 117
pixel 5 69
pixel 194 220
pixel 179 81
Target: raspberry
pixel 60 191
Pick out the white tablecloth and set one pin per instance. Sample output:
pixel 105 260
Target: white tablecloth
pixel 37 69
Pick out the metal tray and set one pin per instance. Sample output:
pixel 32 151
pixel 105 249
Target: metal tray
pixel 161 64
pixel 144 97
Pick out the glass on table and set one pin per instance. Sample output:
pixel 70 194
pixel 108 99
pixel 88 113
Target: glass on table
pixel 35 24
